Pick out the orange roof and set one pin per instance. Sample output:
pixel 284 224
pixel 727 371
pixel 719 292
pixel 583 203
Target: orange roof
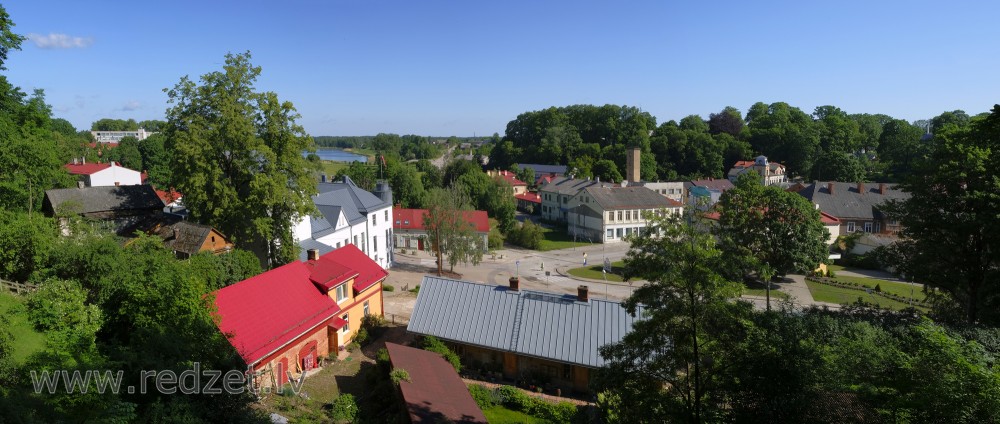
pixel 169 197
pixel 744 164
pixel 511 178
pixel 413 219
pixel 529 197
pixel 86 168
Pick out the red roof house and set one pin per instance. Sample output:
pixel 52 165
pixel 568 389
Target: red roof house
pixel 518 185
pixel 103 174
pixel 408 227
pixel 282 321
pixel 529 202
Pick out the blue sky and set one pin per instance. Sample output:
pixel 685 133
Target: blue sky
pixel 443 68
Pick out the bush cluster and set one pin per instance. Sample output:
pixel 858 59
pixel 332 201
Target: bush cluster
pixel 433 344
pixel 388 288
pixel 527 235
pixel 515 399
pixel 344 408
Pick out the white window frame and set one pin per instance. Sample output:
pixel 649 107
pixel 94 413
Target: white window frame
pixel 347 323
pixel 342 293
pixel 367 310
pixel 850 227
pixel 868 227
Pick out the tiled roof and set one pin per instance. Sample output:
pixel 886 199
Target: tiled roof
pixel 104 199
pixel 632 197
pixel 263 313
pixel 847 202
pixel 544 325
pixel 413 219
pixel 170 196
pixel 434 393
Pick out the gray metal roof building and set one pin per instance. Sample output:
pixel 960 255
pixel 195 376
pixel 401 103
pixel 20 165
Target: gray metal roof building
pixel 851 200
pixel 88 200
pixel 342 196
pixel 631 197
pixel 543 325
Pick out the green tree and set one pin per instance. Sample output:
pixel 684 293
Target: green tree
pixel 784 134
pixel 766 231
pixel 238 159
pixel 156 160
pixel 669 367
pixel 728 121
pixel 220 271
pixel 949 235
pixel 606 170
pixel 451 236
pixel 407 188
pixel 25 244
pixel 900 147
pixel 363 175
pixel 127 154
pixel 63 127
pixel 8 39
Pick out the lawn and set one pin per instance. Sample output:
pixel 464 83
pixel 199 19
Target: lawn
pixel 26 340
pixel 891 287
pixel 826 293
pixel 330 167
pixel 558 239
pixel 501 415
pixel 594 271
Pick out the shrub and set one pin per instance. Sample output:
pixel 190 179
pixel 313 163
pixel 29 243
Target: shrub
pixel 353 347
pixel 433 344
pixel 362 336
pixel 527 235
pixel 344 408
pixel 415 289
pixel 483 396
pixel 878 288
pixel 398 375
pixel 388 288
pixel 382 356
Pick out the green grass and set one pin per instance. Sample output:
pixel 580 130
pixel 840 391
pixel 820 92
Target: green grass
pixel 330 167
pixel 501 415
pixel 26 340
pixel 775 294
pixel 826 293
pixel 558 239
pixel 891 287
pixel 594 272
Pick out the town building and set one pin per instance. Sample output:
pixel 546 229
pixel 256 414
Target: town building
pixel 408 228
pixel 103 174
pixel 546 338
pixel 184 238
pixel 173 201
pixel 519 187
pixel 856 205
pixel 703 194
pixel 529 203
pixel 115 207
pixel 349 215
pixel 608 214
pixel 434 393
pixel 673 190
pixel 117 136
pixel 771 173
pixel 541 170
pixel 283 322
pixel 556 194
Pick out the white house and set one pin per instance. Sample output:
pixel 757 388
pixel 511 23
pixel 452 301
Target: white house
pixel 608 214
pixel 117 136
pixel 771 173
pixel 104 174
pixel 349 215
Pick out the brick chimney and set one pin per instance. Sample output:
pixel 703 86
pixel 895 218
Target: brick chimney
pixel 515 283
pixel 829 188
pixel 632 165
pixel 861 187
pixel 581 293
pixel 313 254
pixel 881 188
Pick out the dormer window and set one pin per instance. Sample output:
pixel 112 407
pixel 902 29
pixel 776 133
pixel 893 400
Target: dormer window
pixel 341 292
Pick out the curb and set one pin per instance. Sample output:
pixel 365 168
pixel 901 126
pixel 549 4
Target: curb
pixel 561 272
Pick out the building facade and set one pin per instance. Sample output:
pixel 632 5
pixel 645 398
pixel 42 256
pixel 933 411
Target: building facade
pixel 609 214
pixel 856 205
pixel 283 322
pixel 409 232
pixel 771 173
pixel 103 174
pixel 349 215
pixel 117 136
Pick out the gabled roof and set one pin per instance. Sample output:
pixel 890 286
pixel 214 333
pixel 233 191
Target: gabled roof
pixel 170 196
pixel 510 178
pixel 713 184
pixel 434 392
pixel 188 238
pixel 632 197
pixel 569 186
pixel 342 196
pixel 86 168
pixel 263 313
pixel 105 199
pixel 307 244
pixel 413 219
pixel 847 202
pixel 544 169
pixel 544 325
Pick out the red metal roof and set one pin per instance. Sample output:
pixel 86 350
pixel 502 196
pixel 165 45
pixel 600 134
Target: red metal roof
pixel 529 197
pixel 263 313
pixel 413 219
pixel 169 197
pixel 744 164
pixel 434 392
pixel 828 219
pixel 86 168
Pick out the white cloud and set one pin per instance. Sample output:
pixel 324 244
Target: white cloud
pixel 131 105
pixel 59 41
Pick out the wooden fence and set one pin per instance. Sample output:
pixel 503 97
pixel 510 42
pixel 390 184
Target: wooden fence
pixel 17 288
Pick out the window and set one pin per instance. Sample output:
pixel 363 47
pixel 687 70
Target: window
pixel 878 227
pixel 397 222
pixel 868 227
pixel 628 215
pixel 366 309
pixel 342 292
pixel 375 243
pixel 373 220
pixel 619 215
pixel 355 240
pixel 611 234
pixel 347 321
pixel 387 215
pixel 850 227
pixel 628 231
pixel 611 216
pixel 338 245
pixel 618 232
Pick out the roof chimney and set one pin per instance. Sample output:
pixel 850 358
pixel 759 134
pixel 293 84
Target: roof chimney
pixel 829 187
pixel 76 161
pixel 881 188
pixel 861 187
pixel 515 283
pixel 581 293
pixel 83 160
pixel 313 254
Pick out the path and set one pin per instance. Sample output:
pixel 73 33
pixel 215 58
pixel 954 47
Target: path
pixel 440 162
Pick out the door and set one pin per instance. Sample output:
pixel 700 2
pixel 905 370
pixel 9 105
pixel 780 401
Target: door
pixel 420 244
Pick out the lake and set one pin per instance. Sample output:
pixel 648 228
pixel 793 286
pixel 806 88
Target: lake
pixel 338 155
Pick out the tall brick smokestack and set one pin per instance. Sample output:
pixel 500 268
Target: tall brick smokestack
pixel 632 164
